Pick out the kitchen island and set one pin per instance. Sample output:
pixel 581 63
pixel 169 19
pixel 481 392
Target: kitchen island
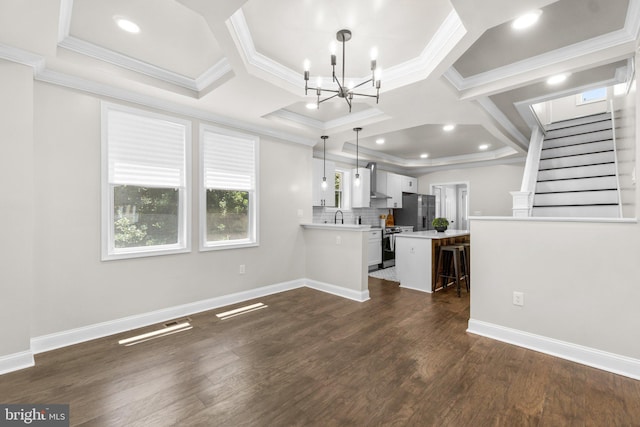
pixel 417 256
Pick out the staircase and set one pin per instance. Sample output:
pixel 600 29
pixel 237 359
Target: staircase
pixel 577 172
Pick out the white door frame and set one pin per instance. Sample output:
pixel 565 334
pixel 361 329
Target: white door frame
pixel 437 184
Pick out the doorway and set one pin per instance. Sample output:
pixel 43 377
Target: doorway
pixel 452 203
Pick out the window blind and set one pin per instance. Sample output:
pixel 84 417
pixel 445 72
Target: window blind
pixel 229 162
pixel 145 151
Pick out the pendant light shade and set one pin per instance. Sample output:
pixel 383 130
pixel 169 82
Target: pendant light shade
pixel 324 161
pixel 357 180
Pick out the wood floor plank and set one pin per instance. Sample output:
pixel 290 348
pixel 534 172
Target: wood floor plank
pixel 314 359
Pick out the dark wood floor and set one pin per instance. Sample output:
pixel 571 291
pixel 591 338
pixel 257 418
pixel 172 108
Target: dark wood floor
pixel 402 358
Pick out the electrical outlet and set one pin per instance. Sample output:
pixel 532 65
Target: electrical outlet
pixel 518 298
pixel 300 213
pixel 241 271
pixel 338 240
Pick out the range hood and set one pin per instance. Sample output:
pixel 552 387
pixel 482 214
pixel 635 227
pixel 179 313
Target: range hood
pixel 373 167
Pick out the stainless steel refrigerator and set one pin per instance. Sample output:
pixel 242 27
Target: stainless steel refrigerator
pixel 417 210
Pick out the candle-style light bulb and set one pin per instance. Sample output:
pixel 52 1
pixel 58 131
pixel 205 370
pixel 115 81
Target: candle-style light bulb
pixel 357 181
pixel 332 49
pixel 319 82
pixel 306 64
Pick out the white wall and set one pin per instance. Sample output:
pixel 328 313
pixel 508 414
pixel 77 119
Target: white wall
pixel 580 281
pixel 74 288
pixel 489 186
pixel 338 258
pixel 566 108
pixel 16 206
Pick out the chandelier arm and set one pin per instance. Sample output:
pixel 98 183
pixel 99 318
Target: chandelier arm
pixel 326 99
pixel 365 94
pixel 324 90
pixel 361 84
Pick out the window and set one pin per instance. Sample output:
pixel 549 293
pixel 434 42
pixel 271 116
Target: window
pixel 145 180
pixel 593 95
pixel 339 190
pixel 228 196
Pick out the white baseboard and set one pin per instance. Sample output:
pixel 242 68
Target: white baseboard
pixel 337 290
pixel 99 330
pixel 611 362
pixel 16 361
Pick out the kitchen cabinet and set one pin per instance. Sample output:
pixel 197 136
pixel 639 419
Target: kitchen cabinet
pixel 361 194
pixel 319 196
pixel 375 247
pixel 390 184
pixel 408 184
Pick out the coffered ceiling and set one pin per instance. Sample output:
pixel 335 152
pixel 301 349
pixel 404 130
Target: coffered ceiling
pixel 240 63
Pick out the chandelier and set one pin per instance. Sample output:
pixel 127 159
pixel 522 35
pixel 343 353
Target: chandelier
pixel 343 91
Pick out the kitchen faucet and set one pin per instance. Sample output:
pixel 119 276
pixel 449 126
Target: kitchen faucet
pixel 335 217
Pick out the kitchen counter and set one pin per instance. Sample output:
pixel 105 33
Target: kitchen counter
pixel 433 234
pixel 338 227
pixel 417 256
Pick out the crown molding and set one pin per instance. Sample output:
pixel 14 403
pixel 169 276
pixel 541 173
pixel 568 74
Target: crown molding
pixel 448 35
pixel 629 33
pixel 450 32
pixel 23 57
pixel 104 90
pixel 359 117
pixel 65 40
pixel 242 36
pixel 503 120
pixel 212 74
pixel 442 161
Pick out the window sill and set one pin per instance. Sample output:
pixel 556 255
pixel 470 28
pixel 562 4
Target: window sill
pixel 144 253
pixel 223 246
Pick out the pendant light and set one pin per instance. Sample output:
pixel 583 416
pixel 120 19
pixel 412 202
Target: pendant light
pixel 324 161
pixel 357 181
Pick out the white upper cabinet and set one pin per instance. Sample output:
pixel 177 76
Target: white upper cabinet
pixel 360 194
pixel 326 197
pixel 409 184
pixel 390 184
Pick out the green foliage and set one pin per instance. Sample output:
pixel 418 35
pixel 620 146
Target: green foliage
pixel 227 215
pixel 145 216
pixel 440 222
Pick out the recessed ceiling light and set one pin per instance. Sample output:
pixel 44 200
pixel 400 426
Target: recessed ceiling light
pixel 448 128
pixel 483 146
pixel 424 155
pixel 557 79
pixel 127 25
pixel 312 106
pixel 380 141
pixel 526 20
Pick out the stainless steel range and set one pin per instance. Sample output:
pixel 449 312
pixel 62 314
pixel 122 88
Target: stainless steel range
pixel 389 246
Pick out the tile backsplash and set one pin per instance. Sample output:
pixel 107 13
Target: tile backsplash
pixel 370 216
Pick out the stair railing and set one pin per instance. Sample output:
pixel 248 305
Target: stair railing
pixel 615 157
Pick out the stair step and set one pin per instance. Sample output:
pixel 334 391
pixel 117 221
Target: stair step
pixel 601 135
pixel 571 150
pixel 578 129
pixel 579 184
pixel 577 172
pixel 578 121
pixel 579 160
pixel 577 211
pixel 578 198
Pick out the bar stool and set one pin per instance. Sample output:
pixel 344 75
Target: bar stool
pixel 467 255
pixel 453 254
